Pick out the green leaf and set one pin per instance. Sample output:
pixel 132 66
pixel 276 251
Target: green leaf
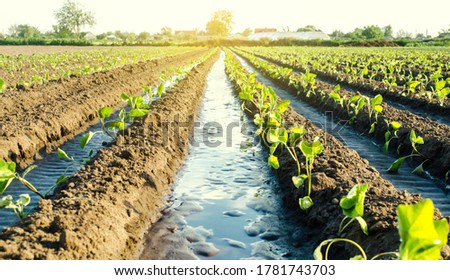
pixel 396 165
pixel 387 135
pixel 377 100
pixel 124 97
pixel 419 170
pixel 63 155
pixel 7 174
pixel 296 133
pixel 421 237
pixel 372 128
pixel 135 113
pixel 161 89
pixel 116 124
pixel 86 138
pixel 122 114
pixel 31 167
pixel 283 105
pixel 310 149
pixel 6 202
pixel 363 225
pixel 378 108
pixel 358 258
pixel 414 139
pixel 335 96
pixel 353 203
pixel 305 203
pixel 273 161
pixel 440 85
pixel 2 85
pixel 318 256
pixel 246 95
pixel 61 179
pixel 396 125
pixel 104 112
pixel 24 200
pixel 299 180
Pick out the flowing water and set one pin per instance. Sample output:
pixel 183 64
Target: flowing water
pixel 225 202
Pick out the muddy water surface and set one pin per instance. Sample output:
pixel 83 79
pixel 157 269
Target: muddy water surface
pixel 225 203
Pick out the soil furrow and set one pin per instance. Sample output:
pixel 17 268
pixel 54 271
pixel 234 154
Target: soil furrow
pixel 46 116
pixel 104 209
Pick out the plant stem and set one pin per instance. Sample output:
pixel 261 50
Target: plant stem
pixel 29 186
pixel 348 241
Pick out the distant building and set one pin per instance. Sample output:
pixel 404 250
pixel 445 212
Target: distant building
pixel 310 35
pixel 186 32
pixel 113 38
pixel 262 30
pixel 90 36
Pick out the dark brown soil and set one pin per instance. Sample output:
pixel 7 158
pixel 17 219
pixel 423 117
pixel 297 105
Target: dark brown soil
pixel 335 171
pixel 436 136
pixel 43 117
pixel 103 210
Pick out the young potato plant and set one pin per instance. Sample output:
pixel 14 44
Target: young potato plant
pixel 414 140
pixel 390 134
pixel 421 237
pixel 352 206
pixel 7 175
pixel 309 150
pixel 2 85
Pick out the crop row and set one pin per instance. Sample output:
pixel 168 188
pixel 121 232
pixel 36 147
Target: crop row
pixel 365 112
pixel 21 71
pixel 419 74
pixel 137 107
pixel 421 236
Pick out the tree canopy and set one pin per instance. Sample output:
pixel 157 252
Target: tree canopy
pixel 220 23
pixel 71 17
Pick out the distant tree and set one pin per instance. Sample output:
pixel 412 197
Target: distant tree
pixel 308 28
pixel 444 33
pixel 355 34
pixel 247 32
pixel 372 32
pixel 420 36
pixel 388 31
pixel 166 31
pixel 220 23
pixel 71 17
pixel 337 34
pixel 404 34
pixel 24 31
pixel 143 36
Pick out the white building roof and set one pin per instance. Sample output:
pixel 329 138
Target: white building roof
pixel 310 35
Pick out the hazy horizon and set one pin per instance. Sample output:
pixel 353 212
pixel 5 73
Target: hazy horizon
pixel 141 15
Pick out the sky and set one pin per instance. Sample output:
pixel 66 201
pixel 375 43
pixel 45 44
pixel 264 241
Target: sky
pixel 147 15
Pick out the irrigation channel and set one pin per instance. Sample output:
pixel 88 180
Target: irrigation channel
pixel 366 148
pixel 225 202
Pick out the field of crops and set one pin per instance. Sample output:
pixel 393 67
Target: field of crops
pixel 234 153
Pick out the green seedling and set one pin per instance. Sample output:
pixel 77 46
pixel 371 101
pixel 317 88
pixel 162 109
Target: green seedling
pixel 421 236
pixel 411 86
pixel 309 150
pixel 17 206
pixel 414 140
pixel 8 174
pixel 389 135
pixel 352 206
pixel 441 91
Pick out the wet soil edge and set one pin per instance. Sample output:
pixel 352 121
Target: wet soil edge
pixel 335 172
pixel 42 118
pixel 103 211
